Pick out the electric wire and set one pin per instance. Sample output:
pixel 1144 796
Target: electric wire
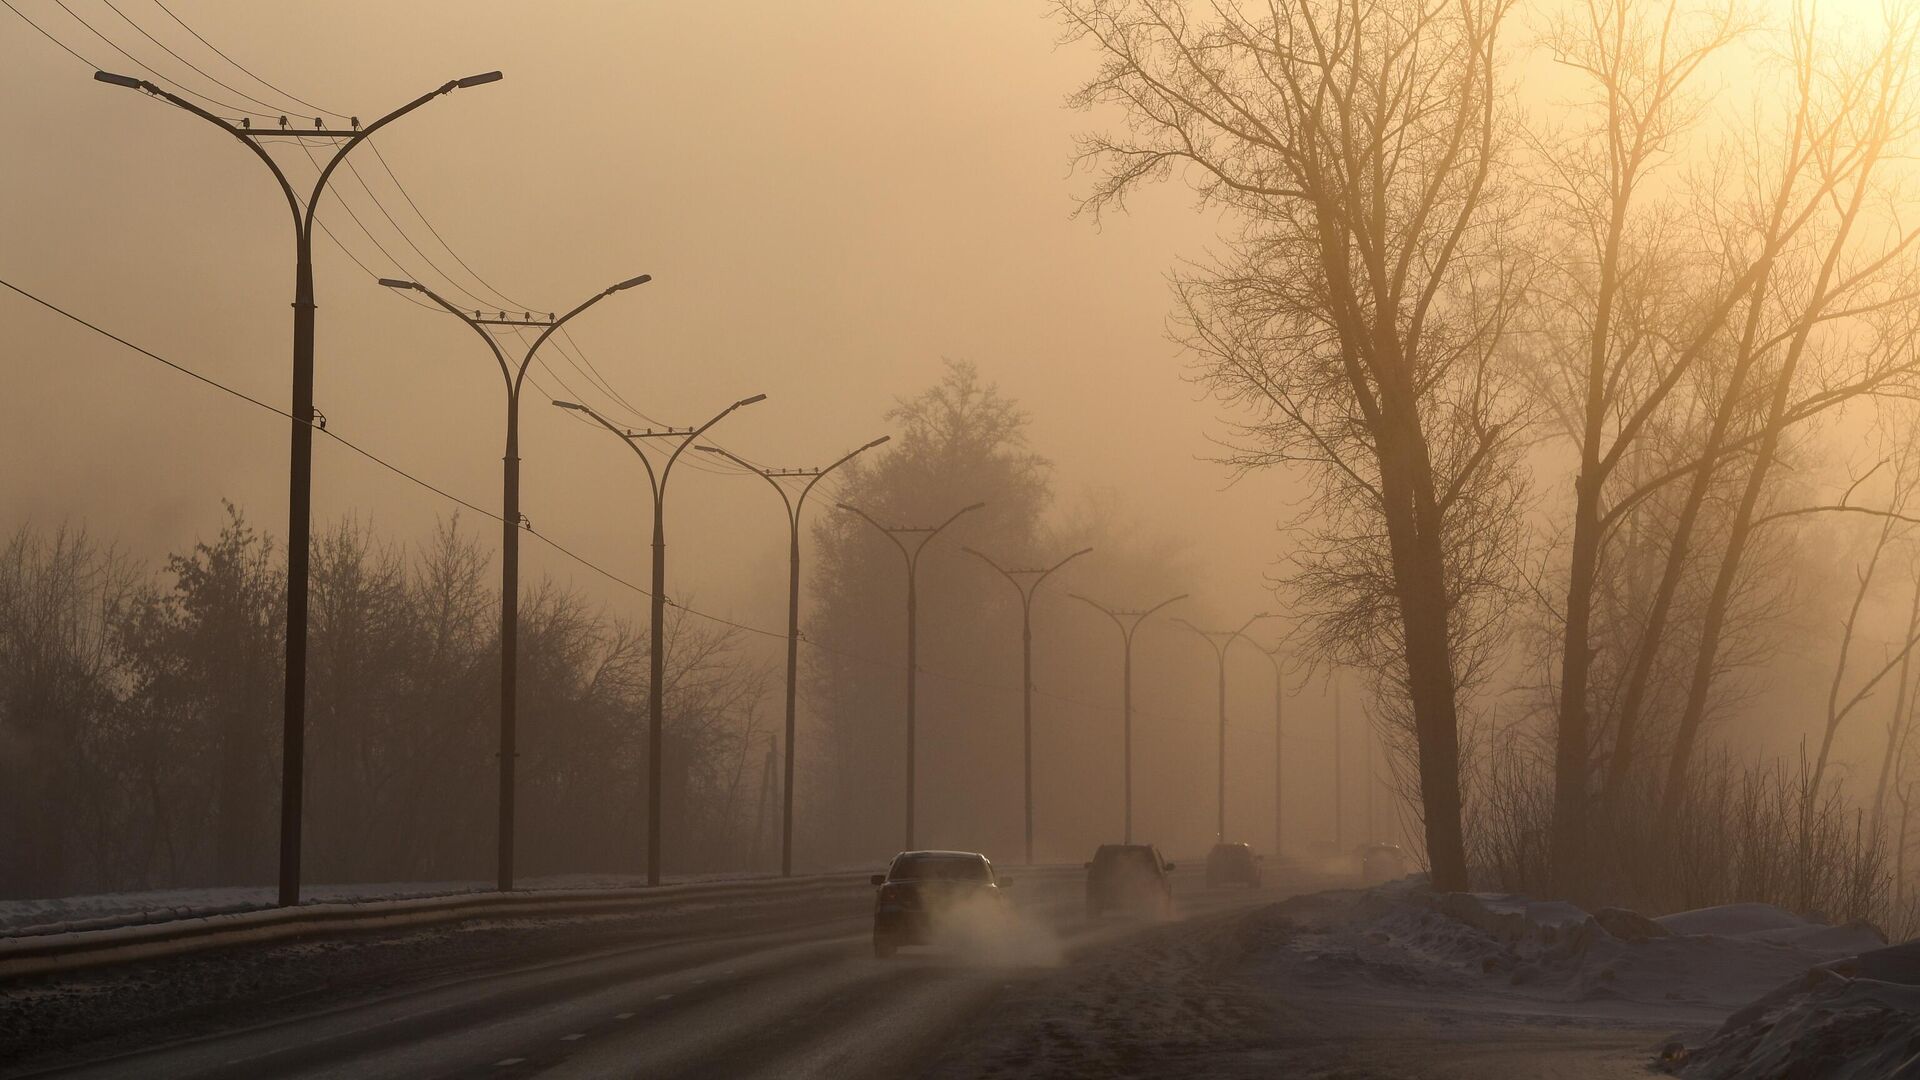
pixel 271 108
pixel 149 69
pixel 309 106
pixel 558 547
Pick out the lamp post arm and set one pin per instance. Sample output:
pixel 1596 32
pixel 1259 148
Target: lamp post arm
pixel 520 377
pixel 883 530
pixel 652 481
pixel 693 437
pixel 822 474
pixel 1048 572
pixel 326 173
pixel 1219 651
pixel 1001 570
pixel 286 188
pixel 498 356
pixel 1105 610
pixel 793 513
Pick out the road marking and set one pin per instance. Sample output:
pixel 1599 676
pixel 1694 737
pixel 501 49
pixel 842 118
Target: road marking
pixel 504 1062
pixel 572 1037
pixel 623 1016
pixel 663 997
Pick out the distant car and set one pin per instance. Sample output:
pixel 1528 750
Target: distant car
pixel 919 887
pixel 1233 864
pixel 1129 877
pixel 1381 863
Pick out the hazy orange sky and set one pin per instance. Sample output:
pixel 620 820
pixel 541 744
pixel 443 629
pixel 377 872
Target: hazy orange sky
pixel 832 197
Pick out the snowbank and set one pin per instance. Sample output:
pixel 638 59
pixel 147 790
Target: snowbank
pixel 1851 1019
pixel 1717 959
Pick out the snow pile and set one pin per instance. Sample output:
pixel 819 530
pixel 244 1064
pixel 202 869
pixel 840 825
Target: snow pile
pixel 1851 1019
pixel 1554 951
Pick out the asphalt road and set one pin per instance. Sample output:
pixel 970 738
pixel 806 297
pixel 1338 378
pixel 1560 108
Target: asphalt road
pixel 777 990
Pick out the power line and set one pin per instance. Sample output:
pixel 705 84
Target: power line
pixel 545 539
pixel 149 69
pixel 490 515
pixel 243 68
pixel 111 6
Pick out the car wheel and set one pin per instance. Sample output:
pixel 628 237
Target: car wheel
pixel 882 948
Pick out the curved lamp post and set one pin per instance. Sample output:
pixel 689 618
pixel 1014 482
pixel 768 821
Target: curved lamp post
pixel 1026 582
pixel 300 469
pixel 912 556
pixel 1128 622
pixel 515 376
pixel 794 503
pixel 1221 640
pixel 656 687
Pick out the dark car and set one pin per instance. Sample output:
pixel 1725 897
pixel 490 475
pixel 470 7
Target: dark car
pixel 1233 864
pixel 1380 863
pixel 1129 877
pixel 920 887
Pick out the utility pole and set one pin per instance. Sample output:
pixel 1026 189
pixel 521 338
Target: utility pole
pixel 656 682
pixel 794 504
pixel 300 466
pixel 1027 582
pixel 1279 742
pixel 510 524
pixel 1220 641
pixel 912 556
pixel 760 810
pixel 1339 803
pixel 1128 622
pixel 1366 743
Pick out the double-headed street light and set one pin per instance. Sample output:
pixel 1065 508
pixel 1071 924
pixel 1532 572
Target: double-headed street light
pixel 1128 622
pixel 912 556
pixel 1279 748
pixel 795 503
pixel 656 683
pixel 1027 582
pixel 1220 641
pixel 300 468
pixel 515 375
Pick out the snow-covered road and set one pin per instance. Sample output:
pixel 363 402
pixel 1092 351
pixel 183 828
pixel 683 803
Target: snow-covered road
pixel 1387 984
pixel 742 988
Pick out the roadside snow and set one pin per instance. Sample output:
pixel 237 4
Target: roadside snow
pixel 1852 1019
pixel 69 913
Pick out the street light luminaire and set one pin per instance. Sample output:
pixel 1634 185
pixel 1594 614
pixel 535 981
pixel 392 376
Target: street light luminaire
pixel 570 405
pixel 397 283
pixel 876 442
pixel 754 400
pixel 631 282
pixel 479 80
pixel 127 81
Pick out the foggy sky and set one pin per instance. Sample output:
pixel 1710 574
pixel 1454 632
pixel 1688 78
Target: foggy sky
pixel 832 197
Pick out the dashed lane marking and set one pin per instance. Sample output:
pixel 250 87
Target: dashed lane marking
pixel 505 1062
pixel 572 1037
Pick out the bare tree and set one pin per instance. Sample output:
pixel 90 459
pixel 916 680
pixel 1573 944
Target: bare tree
pixel 1832 318
pixel 1360 145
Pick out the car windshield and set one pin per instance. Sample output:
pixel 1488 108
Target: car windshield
pixel 1141 858
pixel 940 868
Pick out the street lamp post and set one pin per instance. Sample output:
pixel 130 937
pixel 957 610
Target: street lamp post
pixel 656 687
pixel 1128 622
pixel 912 556
pixel 1027 582
pixel 794 504
pixel 1279 751
pixel 1220 641
pixel 300 467
pixel 515 376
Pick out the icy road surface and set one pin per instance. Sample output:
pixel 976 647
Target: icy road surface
pixel 1238 985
